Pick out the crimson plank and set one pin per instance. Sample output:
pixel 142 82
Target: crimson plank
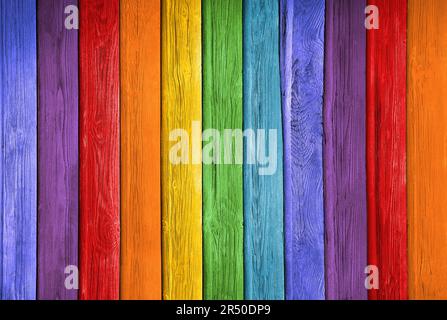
pixel 386 149
pixel 99 149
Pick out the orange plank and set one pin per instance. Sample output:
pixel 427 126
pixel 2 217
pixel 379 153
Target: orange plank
pixel 140 149
pixel 427 148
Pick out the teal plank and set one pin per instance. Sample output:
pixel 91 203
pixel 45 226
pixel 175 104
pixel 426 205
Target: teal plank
pixel 263 178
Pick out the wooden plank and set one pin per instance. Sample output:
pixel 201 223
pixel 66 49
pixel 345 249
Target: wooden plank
pixel 263 184
pixel 99 149
pixel 140 149
pixel 18 162
pixel 427 149
pixel 386 149
pixel 302 59
pixel 181 183
pixel 344 150
pixel 58 150
pixel 222 183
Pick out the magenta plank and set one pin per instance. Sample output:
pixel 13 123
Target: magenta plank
pixel 344 149
pixel 57 150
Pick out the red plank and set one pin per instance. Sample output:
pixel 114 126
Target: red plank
pixel 99 149
pixel 386 149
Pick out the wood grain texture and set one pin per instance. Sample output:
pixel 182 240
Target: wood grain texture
pixel 386 149
pixel 18 157
pixel 58 150
pixel 222 183
pixel 263 194
pixel 344 150
pixel 302 59
pixel 99 150
pixel 140 149
pixel 427 149
pixel 181 183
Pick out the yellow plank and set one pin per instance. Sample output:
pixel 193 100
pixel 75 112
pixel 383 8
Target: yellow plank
pixel 181 183
pixel 427 148
pixel 140 149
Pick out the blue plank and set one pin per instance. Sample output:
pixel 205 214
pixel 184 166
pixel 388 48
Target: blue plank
pixel 302 60
pixel 18 173
pixel 263 183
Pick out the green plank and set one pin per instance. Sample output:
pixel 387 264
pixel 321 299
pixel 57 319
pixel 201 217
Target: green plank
pixel 222 183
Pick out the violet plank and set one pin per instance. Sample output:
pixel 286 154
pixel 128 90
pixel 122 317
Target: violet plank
pixel 345 150
pixel 58 151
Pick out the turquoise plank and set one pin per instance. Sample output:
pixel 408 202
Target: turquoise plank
pixel 263 178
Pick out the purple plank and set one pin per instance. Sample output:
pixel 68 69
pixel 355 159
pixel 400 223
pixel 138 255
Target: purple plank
pixel 57 150
pixel 344 149
pixel 302 51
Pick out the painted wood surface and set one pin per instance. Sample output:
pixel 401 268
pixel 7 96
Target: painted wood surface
pixel 302 59
pixel 263 185
pixel 427 149
pixel 140 149
pixel 386 149
pixel 18 157
pixel 344 150
pixel 58 150
pixel 99 150
pixel 181 182
pixel 222 183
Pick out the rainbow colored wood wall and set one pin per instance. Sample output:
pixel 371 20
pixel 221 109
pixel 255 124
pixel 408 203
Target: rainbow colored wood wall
pixel 118 179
